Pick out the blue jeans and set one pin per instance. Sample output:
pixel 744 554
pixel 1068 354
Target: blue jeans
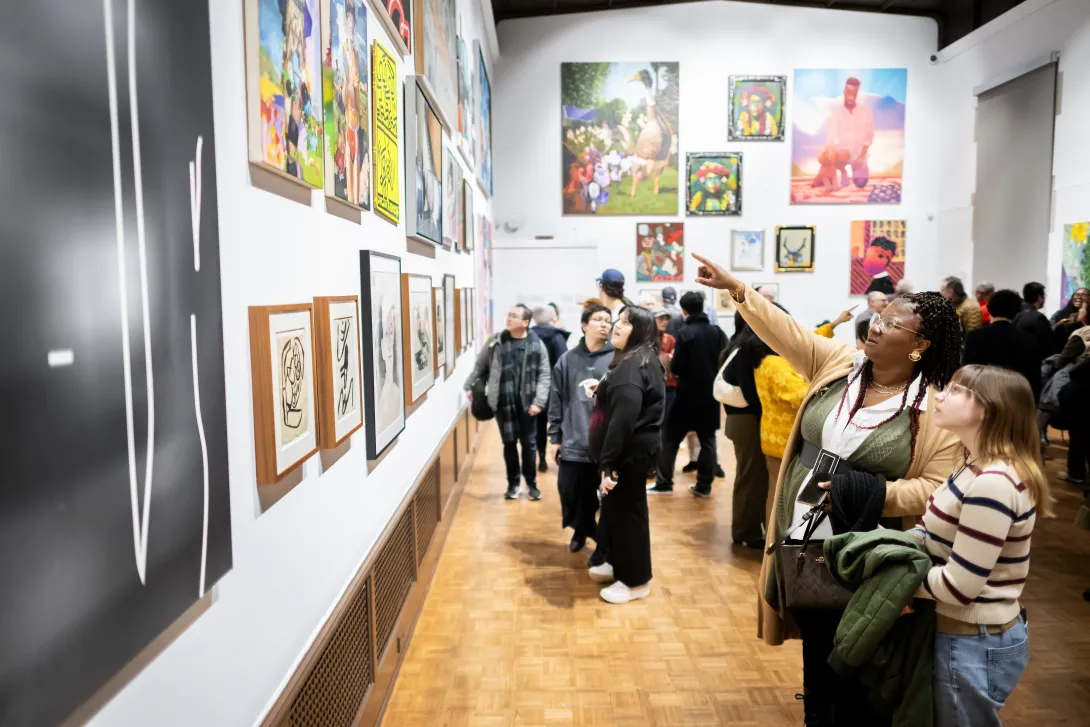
pixel 974 675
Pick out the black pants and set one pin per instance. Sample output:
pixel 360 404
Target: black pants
pixel 1078 454
pixel 542 424
pixel 705 470
pixel 525 437
pixel 839 700
pixel 628 538
pixel 577 483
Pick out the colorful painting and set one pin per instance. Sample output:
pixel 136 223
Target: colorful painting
pixel 756 108
pixel 660 252
pixel 848 136
pixel 284 87
pixel 484 125
pixel 795 249
pixel 619 131
pixel 436 52
pixel 1076 260
pixel 347 102
pixel 387 179
pixel 424 150
pixel 878 256
pixel 453 203
pixel 397 16
pixel 747 250
pixel 715 184
pixel 467 107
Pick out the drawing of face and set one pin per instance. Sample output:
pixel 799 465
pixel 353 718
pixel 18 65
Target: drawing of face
pixel 291 383
pixel 386 347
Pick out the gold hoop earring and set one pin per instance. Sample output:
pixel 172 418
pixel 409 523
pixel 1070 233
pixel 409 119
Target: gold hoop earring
pixel 915 356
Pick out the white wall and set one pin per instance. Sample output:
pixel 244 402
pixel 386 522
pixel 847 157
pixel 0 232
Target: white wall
pixel 292 562
pixel 711 41
pixel 1033 29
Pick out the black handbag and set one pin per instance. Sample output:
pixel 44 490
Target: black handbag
pixel 807 582
pixel 478 406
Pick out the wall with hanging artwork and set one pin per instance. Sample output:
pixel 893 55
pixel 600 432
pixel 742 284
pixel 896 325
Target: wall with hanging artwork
pixel 294 240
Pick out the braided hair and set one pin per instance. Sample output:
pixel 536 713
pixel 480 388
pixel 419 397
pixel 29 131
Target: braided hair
pixel 939 324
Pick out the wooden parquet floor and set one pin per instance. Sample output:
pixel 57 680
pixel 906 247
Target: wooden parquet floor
pixel 513 631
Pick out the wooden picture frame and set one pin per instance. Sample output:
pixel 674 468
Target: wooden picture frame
pixel 795 248
pixel 383 375
pixel 338 368
pixel 418 336
pixel 439 328
pixel 459 322
pixel 450 296
pixel 284 393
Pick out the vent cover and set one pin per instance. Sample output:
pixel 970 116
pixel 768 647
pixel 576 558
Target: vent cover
pixel 426 510
pixel 394 573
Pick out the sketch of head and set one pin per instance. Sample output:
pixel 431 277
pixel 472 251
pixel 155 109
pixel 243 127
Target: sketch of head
pixel 387 343
pixel 291 382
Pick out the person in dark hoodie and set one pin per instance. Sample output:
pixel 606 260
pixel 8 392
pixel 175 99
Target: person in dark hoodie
pixel 556 343
pixel 570 403
pixel 1032 321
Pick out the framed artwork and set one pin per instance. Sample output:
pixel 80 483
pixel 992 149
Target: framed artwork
pixel 768 290
pixel 383 376
pixel 347 109
pixel 466 297
pixel 1075 260
pixel 439 328
pixel 436 54
pixel 467 103
pixel 660 252
pixel 484 124
pixel 795 249
pixel 424 151
pixel 284 88
pixel 878 256
pixel 453 203
pixel 747 250
pixel 450 295
pixel 848 136
pixel 619 138
pixel 468 228
pixel 459 322
pixel 337 365
pixel 282 377
pixel 724 303
pixel 756 107
pixel 387 165
pixel 714 184
pixel 397 16
pixel 419 336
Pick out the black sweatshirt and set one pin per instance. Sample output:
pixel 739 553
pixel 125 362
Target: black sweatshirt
pixel 739 372
pixel 628 409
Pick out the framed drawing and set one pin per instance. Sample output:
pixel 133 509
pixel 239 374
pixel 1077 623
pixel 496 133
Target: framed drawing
pixel 397 16
pixel 387 165
pixel 282 377
pixel 471 316
pixel 436 55
pixel 449 305
pixel 284 88
pixel 464 318
pixel 383 376
pixel 345 67
pixel 714 184
pixel 468 228
pixel 467 108
pixel 337 360
pixel 756 107
pixel 424 160
pixel 459 322
pixel 484 124
pixel 453 203
pixel 439 329
pixel 795 249
pixel 747 250
pixel 418 335
pixel 724 303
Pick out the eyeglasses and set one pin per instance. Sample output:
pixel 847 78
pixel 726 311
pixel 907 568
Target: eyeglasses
pixel 886 325
pixel 953 388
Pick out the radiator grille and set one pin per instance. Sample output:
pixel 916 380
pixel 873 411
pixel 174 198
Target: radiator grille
pixel 394 573
pixel 426 510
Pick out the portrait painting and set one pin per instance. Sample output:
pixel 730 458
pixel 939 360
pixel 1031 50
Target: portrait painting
pixel 877 256
pixel 1075 256
pixel 453 202
pixel 848 136
pixel 384 378
pixel 397 16
pixel 747 250
pixel 439 330
pixel 340 384
pixel 484 124
pixel 714 184
pixel 619 137
pixel 451 353
pixel 284 88
pixel 660 252
pixel 418 336
pixel 467 103
pixel 425 152
pixel 756 108
pixel 436 53
pixel 795 249
pixel 386 158
pixel 347 97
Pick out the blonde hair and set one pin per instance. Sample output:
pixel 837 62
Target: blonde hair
pixel 1009 429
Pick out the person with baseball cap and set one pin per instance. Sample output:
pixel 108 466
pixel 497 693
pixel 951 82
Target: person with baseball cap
pixel 611 291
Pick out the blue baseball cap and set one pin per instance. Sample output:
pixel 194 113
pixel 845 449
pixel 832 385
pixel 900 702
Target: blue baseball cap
pixel 611 275
pixel 669 293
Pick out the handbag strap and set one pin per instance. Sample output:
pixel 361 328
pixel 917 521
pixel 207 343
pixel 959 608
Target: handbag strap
pixel 811 522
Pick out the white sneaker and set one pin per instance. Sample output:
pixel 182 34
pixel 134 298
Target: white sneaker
pixel 620 593
pixel 601 573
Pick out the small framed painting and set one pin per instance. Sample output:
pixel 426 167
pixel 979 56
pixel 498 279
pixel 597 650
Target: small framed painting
pixel 747 250
pixel 416 312
pixel 714 184
pixel 282 378
pixel 724 303
pixel 459 322
pixel 383 376
pixel 452 202
pixel 450 295
pixel 464 316
pixel 340 381
pixel 439 326
pixel 467 216
pixel 471 322
pixel 756 107
pixel 795 249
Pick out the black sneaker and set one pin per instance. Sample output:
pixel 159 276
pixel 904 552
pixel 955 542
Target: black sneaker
pixel 512 492
pixel 657 490
pixel 577 543
pixel 542 465
pixel 719 473
pixel 535 494
pixel 691 467
pixel 698 491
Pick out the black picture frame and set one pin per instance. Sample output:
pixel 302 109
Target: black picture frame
pixel 379 441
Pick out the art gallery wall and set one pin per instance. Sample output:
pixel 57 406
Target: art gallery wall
pixel 711 41
pixel 1030 31
pixel 292 562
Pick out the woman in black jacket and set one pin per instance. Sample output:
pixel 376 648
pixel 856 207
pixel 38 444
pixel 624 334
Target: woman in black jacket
pixel 624 440
pixel 743 429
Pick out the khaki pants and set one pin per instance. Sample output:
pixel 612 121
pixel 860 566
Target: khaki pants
pixel 750 478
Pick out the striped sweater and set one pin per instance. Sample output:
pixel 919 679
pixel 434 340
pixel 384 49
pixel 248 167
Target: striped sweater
pixel 977 529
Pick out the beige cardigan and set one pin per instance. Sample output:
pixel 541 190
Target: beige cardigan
pixel 822 361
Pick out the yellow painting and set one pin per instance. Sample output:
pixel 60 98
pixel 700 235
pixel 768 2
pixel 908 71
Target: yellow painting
pixel 387 180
